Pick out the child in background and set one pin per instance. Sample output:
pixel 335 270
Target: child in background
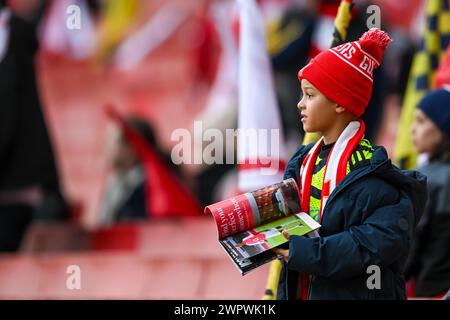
pixel 367 208
pixel 429 261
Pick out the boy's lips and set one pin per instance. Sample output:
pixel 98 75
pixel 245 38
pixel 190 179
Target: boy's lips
pixel 303 117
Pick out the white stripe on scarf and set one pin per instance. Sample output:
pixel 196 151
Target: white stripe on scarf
pixel 333 161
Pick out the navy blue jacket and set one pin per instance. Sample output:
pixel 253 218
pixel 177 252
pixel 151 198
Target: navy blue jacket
pixel 368 220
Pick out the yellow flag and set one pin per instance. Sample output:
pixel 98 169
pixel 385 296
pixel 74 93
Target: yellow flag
pixel 436 36
pixel 272 281
pixel 278 38
pixel 115 20
pixel 342 22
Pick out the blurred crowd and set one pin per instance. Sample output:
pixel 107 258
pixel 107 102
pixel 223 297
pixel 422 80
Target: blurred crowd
pixel 123 35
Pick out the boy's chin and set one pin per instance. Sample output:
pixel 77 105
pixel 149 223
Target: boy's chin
pixel 308 129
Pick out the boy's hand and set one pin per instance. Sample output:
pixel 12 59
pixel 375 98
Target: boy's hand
pixel 283 252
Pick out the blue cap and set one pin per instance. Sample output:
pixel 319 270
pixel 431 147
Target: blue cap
pixel 436 105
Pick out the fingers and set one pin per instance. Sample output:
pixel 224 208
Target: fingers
pixel 278 251
pixel 282 253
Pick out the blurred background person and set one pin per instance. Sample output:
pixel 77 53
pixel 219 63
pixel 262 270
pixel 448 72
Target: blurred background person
pixel 29 179
pixel 125 197
pixel 429 262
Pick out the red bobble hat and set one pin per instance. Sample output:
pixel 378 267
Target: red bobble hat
pixel 344 74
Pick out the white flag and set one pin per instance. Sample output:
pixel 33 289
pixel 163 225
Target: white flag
pixel 261 148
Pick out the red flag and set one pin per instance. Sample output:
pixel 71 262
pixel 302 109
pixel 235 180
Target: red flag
pixel 166 196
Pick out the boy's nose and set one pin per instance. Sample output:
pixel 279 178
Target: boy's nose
pixel 300 105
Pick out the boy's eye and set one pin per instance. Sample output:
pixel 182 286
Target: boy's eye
pixel 307 95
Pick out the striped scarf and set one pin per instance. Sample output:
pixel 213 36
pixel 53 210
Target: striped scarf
pixel 336 165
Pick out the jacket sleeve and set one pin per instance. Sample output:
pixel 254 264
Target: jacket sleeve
pixel 379 240
pixel 413 263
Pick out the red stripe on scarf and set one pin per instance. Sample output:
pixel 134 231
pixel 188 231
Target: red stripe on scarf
pixel 304 286
pixel 307 188
pixel 326 188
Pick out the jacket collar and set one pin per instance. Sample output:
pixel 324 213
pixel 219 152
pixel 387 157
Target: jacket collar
pixel 412 183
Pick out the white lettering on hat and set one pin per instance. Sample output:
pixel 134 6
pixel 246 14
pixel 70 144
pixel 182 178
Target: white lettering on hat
pixel 367 65
pixel 352 64
pixel 346 50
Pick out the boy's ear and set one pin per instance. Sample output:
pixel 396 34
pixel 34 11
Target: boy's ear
pixel 340 109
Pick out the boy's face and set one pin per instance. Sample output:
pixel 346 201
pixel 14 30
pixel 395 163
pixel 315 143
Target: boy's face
pixel 317 112
pixel 425 134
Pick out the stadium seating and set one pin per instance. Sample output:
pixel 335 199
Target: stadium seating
pixel 160 260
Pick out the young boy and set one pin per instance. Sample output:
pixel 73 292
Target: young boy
pixel 367 208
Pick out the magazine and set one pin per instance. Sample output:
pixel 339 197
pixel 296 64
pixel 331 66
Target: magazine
pixel 249 225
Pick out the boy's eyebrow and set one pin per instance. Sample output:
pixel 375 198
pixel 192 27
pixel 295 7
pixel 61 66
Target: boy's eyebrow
pixel 308 87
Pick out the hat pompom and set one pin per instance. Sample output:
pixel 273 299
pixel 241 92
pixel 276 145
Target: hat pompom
pixel 377 35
